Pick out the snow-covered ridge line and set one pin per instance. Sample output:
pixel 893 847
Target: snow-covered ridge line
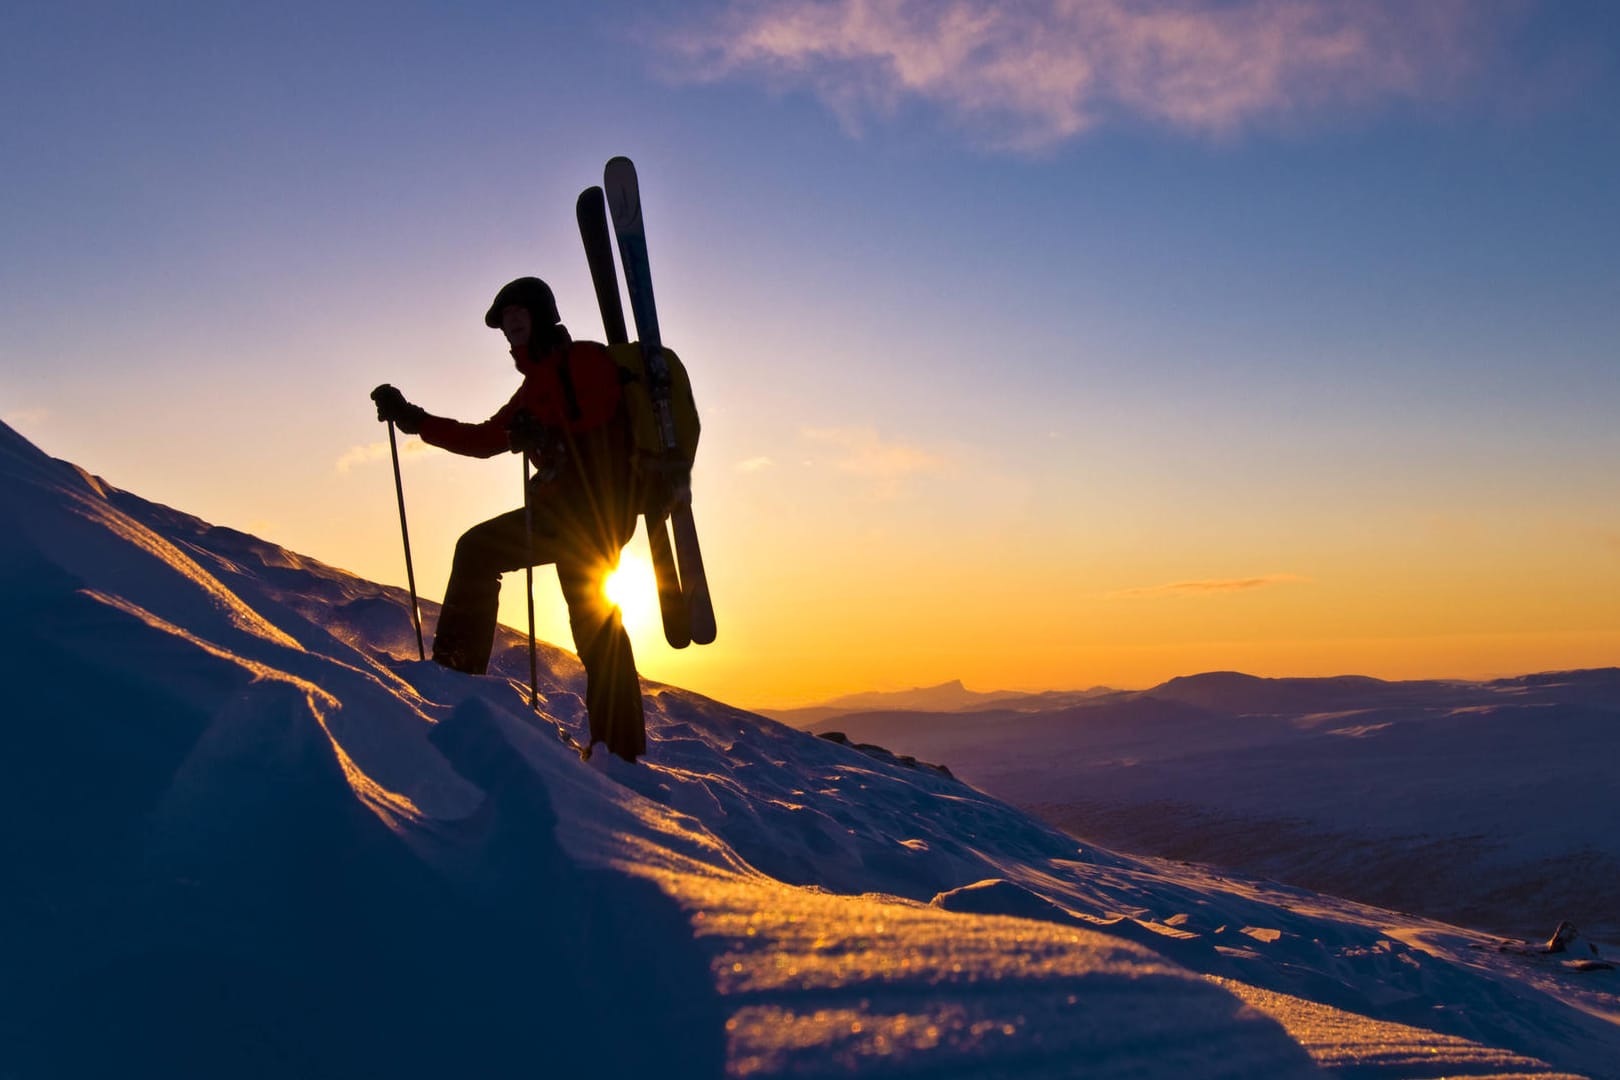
pixel 234 851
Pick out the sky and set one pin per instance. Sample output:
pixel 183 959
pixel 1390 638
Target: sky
pixel 1041 345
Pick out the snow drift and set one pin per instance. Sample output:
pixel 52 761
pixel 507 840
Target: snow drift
pixel 244 835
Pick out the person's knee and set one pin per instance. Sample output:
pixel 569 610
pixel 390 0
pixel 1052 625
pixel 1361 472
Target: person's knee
pixel 475 553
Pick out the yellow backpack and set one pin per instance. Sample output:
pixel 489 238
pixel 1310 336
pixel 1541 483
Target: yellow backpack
pixel 638 403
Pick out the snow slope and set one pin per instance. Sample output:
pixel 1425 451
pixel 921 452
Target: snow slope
pixel 1492 804
pixel 246 835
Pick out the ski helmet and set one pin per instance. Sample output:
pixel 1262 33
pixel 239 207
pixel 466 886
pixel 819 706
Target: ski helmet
pixel 525 292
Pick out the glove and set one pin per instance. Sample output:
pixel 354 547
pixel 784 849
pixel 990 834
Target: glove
pixel 544 444
pixel 666 483
pixel 526 435
pixel 392 407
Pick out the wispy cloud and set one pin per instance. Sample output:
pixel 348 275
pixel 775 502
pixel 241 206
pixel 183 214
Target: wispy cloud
pixel 1209 587
pixel 356 456
pixel 26 418
pixel 755 464
pixel 1032 74
pixel 863 452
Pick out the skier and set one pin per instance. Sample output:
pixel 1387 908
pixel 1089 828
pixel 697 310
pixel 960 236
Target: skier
pixel 569 418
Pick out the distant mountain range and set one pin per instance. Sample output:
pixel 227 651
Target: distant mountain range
pixel 1487 803
pixel 1226 691
pixel 946 697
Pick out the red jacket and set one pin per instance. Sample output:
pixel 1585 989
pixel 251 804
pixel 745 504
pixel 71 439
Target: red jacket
pixel 585 486
pixel 597 394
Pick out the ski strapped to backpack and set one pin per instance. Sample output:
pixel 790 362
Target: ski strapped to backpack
pixel 663 415
pixel 591 211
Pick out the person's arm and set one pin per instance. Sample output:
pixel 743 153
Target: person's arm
pixel 473 440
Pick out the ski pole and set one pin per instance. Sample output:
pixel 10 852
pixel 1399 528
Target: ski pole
pixel 405 532
pixel 528 582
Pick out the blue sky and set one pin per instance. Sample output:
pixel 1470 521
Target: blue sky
pixel 1149 294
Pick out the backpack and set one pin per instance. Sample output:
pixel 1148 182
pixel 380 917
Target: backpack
pixel 638 404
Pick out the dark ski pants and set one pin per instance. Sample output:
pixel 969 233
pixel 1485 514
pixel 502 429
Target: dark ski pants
pixel 466 630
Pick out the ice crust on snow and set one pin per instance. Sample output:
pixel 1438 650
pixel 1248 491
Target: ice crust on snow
pixel 246 834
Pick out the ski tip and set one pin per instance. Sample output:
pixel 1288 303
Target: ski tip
pixel 620 172
pixel 589 195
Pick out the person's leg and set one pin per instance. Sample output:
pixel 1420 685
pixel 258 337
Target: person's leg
pixel 612 688
pixel 466 630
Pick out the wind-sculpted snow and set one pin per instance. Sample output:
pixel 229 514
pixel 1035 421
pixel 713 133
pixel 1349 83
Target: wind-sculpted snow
pixel 246 833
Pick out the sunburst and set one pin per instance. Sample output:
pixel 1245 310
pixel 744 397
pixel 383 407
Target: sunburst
pixel 634 589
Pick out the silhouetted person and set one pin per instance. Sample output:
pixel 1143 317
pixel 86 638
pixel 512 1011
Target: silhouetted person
pixel 569 417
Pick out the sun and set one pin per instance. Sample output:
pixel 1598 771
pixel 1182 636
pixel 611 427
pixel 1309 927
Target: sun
pixel 634 589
